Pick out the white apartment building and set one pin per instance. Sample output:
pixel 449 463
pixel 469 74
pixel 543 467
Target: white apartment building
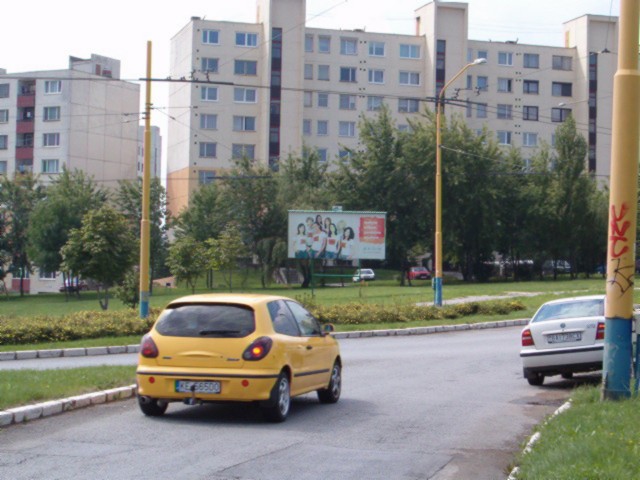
pixel 83 117
pixel 156 152
pixel 265 89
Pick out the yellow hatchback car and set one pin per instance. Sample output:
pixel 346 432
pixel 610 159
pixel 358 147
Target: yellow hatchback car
pixel 239 348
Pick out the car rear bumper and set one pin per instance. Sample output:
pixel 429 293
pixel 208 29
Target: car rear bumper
pixel 569 360
pixel 235 386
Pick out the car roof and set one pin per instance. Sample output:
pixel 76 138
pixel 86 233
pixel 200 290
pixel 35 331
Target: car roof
pixel 576 299
pixel 237 298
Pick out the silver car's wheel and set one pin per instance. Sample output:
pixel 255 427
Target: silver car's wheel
pixel 535 379
pixel 277 409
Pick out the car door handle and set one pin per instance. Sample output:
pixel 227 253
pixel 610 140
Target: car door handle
pixel 309 347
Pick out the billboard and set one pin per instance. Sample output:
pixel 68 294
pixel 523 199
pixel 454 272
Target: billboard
pixel 337 235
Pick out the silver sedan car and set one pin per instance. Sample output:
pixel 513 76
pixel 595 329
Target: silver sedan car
pixel 564 337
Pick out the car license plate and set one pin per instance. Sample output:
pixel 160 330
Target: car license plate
pixel 564 337
pixel 187 386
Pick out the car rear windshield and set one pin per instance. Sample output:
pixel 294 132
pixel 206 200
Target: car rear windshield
pixel 206 320
pixel 583 308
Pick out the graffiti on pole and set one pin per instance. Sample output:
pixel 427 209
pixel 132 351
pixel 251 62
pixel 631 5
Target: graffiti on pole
pixel 623 274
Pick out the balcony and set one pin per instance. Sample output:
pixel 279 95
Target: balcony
pixel 24 153
pixel 25 126
pixel 26 100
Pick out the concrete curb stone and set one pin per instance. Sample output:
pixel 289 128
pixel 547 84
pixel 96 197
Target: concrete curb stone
pixel 49 353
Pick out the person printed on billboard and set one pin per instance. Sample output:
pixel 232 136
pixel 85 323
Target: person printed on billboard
pixel 347 244
pixel 333 243
pixel 319 244
pixel 300 242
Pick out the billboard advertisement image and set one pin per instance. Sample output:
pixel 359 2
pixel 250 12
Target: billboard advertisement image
pixel 337 235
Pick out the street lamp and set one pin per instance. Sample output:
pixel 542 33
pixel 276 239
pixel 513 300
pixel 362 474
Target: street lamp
pixel 437 279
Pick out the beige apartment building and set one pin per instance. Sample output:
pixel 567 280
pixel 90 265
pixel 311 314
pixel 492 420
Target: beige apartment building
pixel 83 117
pixel 266 89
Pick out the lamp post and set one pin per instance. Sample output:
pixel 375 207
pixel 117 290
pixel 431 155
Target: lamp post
pixel 437 279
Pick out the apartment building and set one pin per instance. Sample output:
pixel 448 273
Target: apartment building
pixel 155 169
pixel 266 89
pixel 83 117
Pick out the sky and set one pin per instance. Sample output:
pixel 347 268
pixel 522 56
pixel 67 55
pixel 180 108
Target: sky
pixel 41 34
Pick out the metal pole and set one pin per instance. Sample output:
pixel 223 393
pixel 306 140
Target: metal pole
pixel 145 228
pixel 622 209
pixel 437 279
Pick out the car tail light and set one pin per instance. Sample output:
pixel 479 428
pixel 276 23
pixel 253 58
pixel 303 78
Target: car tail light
pixel 600 331
pixel 148 348
pixel 258 349
pixel 527 339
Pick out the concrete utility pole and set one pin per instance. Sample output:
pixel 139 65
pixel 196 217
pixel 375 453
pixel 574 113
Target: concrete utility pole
pixel 622 209
pixel 145 228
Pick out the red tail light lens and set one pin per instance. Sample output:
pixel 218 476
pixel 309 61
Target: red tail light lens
pixel 527 339
pixel 259 349
pixel 600 331
pixel 148 348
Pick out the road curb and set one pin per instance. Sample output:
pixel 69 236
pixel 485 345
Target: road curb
pixel 68 352
pixel 26 413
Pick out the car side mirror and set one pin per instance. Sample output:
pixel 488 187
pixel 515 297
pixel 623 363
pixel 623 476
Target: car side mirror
pixel 327 328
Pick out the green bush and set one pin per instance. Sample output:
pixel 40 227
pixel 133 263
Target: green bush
pixel 75 326
pixel 358 313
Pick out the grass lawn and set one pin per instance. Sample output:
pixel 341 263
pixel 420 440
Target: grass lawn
pixel 592 440
pixel 23 387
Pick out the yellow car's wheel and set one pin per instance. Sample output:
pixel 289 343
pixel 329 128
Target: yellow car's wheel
pixel 331 394
pixel 277 407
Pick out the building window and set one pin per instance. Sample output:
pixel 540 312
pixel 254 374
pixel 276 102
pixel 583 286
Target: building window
pixel 323 99
pixel 206 177
pixel 324 44
pixel 560 114
pixel 52 86
pixel 308 99
pixel 4 90
pixel 50 166
pixel 306 127
pixel 322 154
pixel 51 114
pixel 4 116
pixel 208 149
pixel 344 155
pixel 45 275
pixel 323 72
pixel 209 94
pixel 403 127
pixel 531 87
pixel 244 39
pixel 530 139
pixel 561 62
pixel 209 65
pixel 4 142
pixel 376 75
pixel 308 71
pixel 409 51
pixel 347 129
pixel 410 78
pixel 482 83
pixel 209 121
pixel 244 124
pixel 51 140
pixel 408 105
pixel 323 128
pixel 308 43
pixel 348 46
pixel 531 60
pixel 505 59
pixel 242 150
pixel 374 103
pixel 505 85
pixel 504 137
pixel 347 102
pixel 245 67
pixel 211 37
pixel 481 110
pixel 3 167
pixel 348 74
pixel 376 49
pixel 505 111
pixel 482 54
pixel 244 95
pixel 530 113
pixel 561 89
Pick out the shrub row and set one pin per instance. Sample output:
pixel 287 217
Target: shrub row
pixel 75 326
pixel 357 313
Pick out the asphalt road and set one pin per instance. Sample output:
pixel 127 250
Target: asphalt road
pixel 445 406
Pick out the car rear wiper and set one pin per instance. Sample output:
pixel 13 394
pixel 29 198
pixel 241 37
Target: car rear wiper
pixel 219 332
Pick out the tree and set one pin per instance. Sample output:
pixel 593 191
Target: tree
pixel 303 182
pixel 102 249
pixel 224 252
pixel 129 200
pixel 68 199
pixel 18 197
pixel 187 260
